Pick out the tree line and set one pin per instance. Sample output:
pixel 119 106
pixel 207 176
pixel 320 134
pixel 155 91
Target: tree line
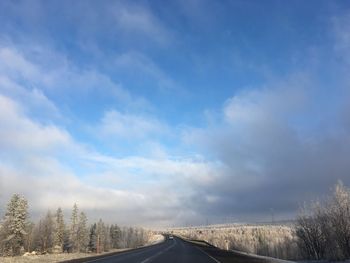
pixel 53 235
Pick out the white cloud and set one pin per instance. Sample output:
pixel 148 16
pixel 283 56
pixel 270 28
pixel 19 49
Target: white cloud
pixel 47 165
pixel 261 104
pixel 20 134
pixel 13 63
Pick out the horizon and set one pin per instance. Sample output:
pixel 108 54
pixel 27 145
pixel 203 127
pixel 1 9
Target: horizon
pixel 157 114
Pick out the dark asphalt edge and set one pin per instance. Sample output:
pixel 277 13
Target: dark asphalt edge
pixel 94 257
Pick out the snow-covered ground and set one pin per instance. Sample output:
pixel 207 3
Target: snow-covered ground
pixel 154 239
pixel 50 258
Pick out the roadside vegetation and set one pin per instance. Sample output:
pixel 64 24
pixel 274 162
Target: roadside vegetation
pixel 268 240
pixel 320 232
pixel 323 227
pixel 53 235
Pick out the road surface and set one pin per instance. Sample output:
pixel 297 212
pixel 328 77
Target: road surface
pixel 177 250
pixel 170 251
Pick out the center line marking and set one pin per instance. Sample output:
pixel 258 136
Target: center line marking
pixel 158 254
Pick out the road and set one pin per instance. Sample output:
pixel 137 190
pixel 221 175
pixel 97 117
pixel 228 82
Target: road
pixel 177 250
pixel 171 251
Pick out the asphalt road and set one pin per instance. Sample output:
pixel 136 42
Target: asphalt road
pixel 178 250
pixel 171 251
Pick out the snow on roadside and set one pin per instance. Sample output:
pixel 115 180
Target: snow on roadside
pixel 50 258
pixel 155 239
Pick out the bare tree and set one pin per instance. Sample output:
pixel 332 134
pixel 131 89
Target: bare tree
pixel 46 232
pixel 30 237
pixel 339 219
pixel 324 233
pixel 312 240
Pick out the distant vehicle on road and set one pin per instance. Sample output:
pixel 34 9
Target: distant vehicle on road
pixel 171 237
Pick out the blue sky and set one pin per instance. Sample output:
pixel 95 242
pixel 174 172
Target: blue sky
pixel 173 112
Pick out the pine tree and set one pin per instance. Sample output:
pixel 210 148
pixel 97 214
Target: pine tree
pixel 15 224
pixel 59 230
pixel 74 228
pixel 83 233
pixel 93 238
pixel 115 235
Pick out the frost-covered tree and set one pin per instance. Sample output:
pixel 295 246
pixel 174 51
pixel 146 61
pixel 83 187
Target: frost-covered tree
pixel 101 236
pixel 115 235
pixel 311 238
pixel 59 229
pixel 324 231
pixel 30 237
pixel 93 238
pixel 46 232
pixel 14 225
pixel 339 219
pixel 83 233
pixel 73 236
pixel 107 238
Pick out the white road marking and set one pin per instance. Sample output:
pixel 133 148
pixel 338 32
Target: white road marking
pixel 217 261
pixel 130 252
pixel 159 253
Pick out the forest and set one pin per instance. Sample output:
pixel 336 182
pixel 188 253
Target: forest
pixel 52 234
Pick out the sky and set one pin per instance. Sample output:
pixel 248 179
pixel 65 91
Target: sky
pixel 173 113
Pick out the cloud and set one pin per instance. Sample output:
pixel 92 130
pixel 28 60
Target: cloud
pixel 274 154
pixel 47 165
pixel 20 134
